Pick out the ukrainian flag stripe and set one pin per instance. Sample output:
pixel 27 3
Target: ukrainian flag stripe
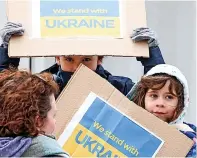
pixel 109 8
pixel 80 26
pixel 84 143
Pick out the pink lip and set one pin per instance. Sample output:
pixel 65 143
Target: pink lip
pixel 159 113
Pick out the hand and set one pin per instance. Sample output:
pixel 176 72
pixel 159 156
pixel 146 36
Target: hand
pixel 10 29
pixel 143 34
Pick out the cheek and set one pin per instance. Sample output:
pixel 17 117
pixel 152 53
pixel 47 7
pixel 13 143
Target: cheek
pixel 91 65
pixel 175 102
pixel 66 66
pixel 50 126
pixel 149 104
pixel 52 123
pixel 171 111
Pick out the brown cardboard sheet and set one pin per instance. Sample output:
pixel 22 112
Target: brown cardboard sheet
pixel 133 16
pixel 85 81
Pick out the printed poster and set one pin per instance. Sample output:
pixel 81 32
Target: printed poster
pixel 76 18
pixel 100 130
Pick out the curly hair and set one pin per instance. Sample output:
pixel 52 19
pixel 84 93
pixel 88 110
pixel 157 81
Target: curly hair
pixel 156 82
pixel 24 97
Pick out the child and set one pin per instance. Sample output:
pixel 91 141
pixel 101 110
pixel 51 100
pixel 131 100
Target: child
pixel 27 115
pixel 164 92
pixel 66 65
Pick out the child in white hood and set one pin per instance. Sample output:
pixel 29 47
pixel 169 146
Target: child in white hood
pixel 164 92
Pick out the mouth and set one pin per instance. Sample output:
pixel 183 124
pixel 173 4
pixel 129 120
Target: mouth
pixel 159 113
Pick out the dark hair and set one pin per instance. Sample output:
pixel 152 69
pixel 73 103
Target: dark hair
pixel 149 82
pixel 24 96
pixel 100 58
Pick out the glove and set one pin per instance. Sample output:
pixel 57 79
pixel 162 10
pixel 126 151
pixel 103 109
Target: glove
pixel 10 29
pixel 143 34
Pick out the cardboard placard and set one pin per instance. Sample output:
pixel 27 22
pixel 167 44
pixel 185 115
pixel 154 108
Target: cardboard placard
pixel 171 142
pixel 107 132
pixel 80 27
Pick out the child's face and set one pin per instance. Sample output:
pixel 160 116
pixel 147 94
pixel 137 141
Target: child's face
pixel 161 103
pixel 70 63
pixel 49 124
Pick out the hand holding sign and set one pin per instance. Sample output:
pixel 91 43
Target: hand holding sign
pixel 6 33
pixel 141 34
pixel 9 30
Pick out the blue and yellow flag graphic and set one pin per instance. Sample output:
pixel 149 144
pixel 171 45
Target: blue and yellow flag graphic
pixel 90 18
pixel 105 132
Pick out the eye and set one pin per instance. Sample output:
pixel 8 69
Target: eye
pixel 153 95
pixel 86 59
pixel 169 97
pixel 69 59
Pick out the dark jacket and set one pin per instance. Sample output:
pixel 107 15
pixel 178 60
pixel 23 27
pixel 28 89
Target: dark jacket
pixel 191 135
pixel 123 84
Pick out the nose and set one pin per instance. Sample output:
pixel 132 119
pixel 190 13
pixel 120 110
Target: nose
pixel 160 103
pixel 75 66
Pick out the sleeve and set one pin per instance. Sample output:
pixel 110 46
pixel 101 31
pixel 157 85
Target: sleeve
pixel 155 58
pixel 123 84
pixel 191 135
pixel 6 61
